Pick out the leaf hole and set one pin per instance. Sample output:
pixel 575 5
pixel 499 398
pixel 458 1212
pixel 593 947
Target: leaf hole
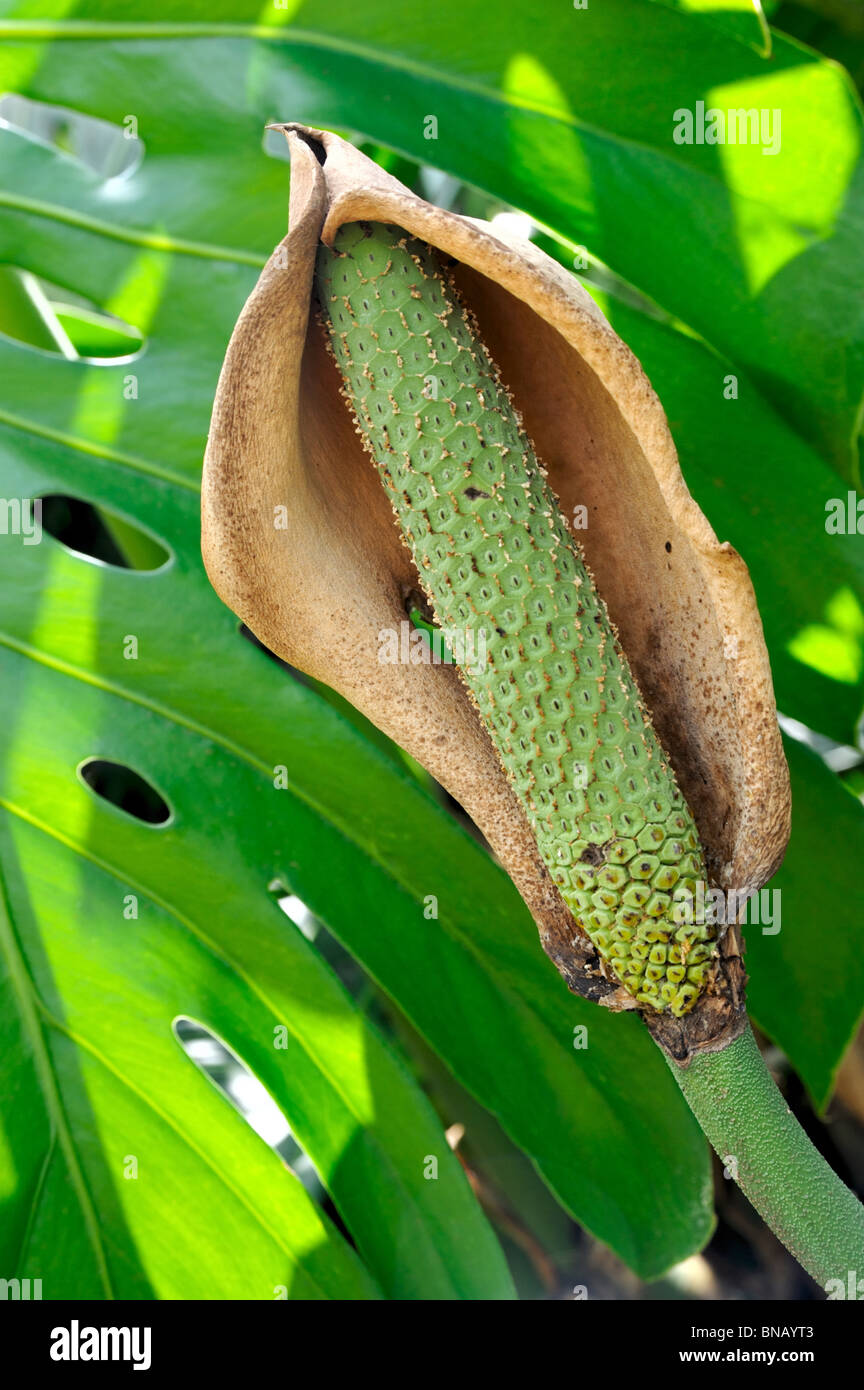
pixel 126 789
pixel 96 533
pixel 295 909
pixel 38 314
pixel 109 150
pixel 239 1085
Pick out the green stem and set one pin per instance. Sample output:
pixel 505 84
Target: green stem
pixel 818 1219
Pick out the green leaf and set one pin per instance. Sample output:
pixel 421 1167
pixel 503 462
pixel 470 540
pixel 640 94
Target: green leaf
pixel 475 982
pixel 421 1239
pixel 100 993
pixel 759 254
pixel 108 1130
pixel 766 491
pixel 807 980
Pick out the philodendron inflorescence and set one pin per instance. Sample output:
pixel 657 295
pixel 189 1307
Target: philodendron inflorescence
pixel 496 557
pixel 385 326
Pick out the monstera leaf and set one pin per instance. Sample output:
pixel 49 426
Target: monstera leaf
pixel 122 1171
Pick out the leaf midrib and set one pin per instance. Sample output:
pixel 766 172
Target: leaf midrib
pixel 152 241
pixel 35 1206
pixel 98 450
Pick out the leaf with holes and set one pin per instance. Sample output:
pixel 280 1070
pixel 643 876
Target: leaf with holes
pixel 108 1131
pixel 106 942
pixel 141 666
pixel 111 657
pixel 178 925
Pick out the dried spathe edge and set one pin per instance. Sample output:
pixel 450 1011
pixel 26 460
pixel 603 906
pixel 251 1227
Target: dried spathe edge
pixel 282 435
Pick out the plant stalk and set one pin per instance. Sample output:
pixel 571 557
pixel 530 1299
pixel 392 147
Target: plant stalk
pixel 766 1151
